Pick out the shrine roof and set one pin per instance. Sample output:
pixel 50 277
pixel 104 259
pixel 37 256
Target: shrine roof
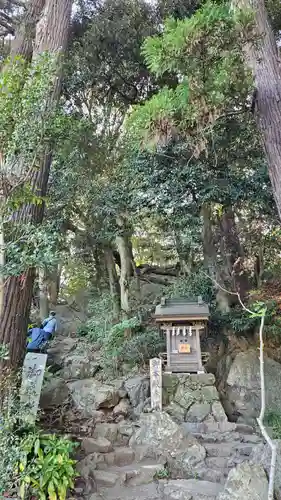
pixel 180 308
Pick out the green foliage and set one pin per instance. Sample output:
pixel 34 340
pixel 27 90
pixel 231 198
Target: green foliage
pixel 273 420
pixel 116 335
pixel 205 53
pixel 11 82
pixel 99 324
pixel 134 350
pixel 77 277
pixel 25 114
pixel 236 321
pixel 241 322
pixel 162 474
pixel 30 463
pixel 192 286
pixel 30 245
pixel 26 133
pixel 128 342
pixel 46 467
pixel 11 431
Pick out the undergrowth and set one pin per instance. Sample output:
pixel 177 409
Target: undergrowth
pixel 126 343
pixel 273 420
pixel 32 465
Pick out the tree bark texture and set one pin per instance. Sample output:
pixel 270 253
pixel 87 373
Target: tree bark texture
pixel 53 280
pixel 209 249
pixel 114 285
pixel 233 254
pixel 43 295
pixel 23 43
pixel 263 58
pixel 125 272
pixel 184 254
pixel 51 35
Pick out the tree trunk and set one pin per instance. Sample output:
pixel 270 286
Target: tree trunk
pixel 43 294
pixel 259 266
pixel 54 284
pixel 184 255
pixel 114 285
pixel 51 36
pixel 264 60
pixel 209 249
pixel 124 247
pixel 23 43
pixel 232 251
pixel 125 273
pixel 2 262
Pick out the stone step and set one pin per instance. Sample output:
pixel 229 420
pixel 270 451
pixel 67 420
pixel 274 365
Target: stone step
pixel 130 475
pixel 143 492
pixel 221 431
pixel 191 489
pixel 119 457
pixel 105 478
pixel 227 449
pixel 208 427
pixel 217 462
pixel 251 438
pixel 181 489
pixel 245 429
pixel 210 474
pixel 218 437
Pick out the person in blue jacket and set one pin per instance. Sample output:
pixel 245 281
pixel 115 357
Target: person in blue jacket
pixel 39 335
pixel 50 325
pixel 36 339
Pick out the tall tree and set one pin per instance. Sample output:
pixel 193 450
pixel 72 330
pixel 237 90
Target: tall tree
pixel 263 58
pixel 51 38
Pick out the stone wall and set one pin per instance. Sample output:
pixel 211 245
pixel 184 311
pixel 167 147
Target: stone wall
pixel 192 398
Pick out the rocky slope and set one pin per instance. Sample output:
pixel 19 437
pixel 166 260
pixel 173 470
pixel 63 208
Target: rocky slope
pixel 190 451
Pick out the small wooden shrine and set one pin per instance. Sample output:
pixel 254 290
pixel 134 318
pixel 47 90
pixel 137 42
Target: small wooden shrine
pixel 182 321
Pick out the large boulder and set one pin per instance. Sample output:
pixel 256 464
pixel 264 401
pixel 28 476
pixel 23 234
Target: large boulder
pixel 89 395
pixel 261 455
pixel 159 436
pixel 79 367
pixel 184 461
pixel 243 385
pixel 61 347
pixel 158 431
pixel 54 393
pixel 138 389
pixel 247 481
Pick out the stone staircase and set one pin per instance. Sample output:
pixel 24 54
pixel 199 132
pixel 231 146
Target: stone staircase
pixel 120 472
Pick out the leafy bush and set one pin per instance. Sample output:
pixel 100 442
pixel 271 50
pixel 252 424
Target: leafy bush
pixel 46 468
pixel 273 420
pixel 30 463
pixel 98 326
pixel 118 333
pixel 241 322
pixel 12 428
pixel 192 286
pixel 236 321
pixel 138 349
